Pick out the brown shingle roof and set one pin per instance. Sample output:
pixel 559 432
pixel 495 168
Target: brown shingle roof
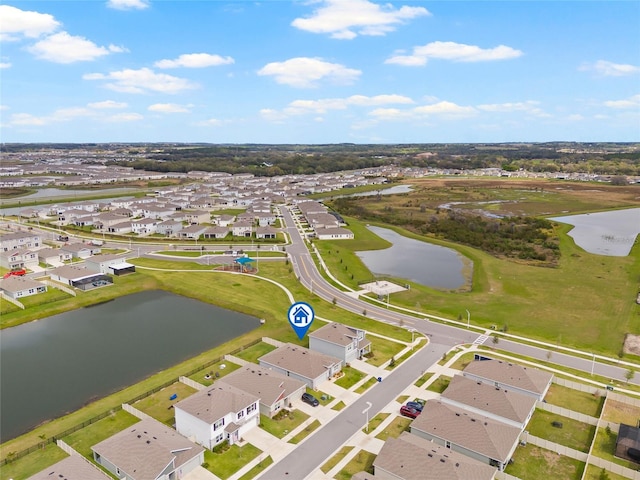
pixel 511 374
pixel 213 403
pixel 474 432
pixel 410 457
pixel 71 468
pixel 268 385
pixel 336 333
pixel 146 448
pixel 510 405
pixel 300 360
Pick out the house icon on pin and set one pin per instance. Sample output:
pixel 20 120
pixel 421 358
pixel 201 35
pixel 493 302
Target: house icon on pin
pixel 300 315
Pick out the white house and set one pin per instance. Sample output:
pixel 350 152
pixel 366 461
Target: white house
pixel 215 232
pixel 192 232
pixel 341 341
pixel 215 414
pixel 197 217
pixel 337 233
pixel 81 250
pixel 144 226
pixel 18 287
pixel 120 228
pixel 242 229
pixel 109 264
pixel 20 258
pixel 169 227
pixel 12 241
pixel 53 256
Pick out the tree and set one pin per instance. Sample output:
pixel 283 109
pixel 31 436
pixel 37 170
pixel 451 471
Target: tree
pixel 603 475
pixel 629 374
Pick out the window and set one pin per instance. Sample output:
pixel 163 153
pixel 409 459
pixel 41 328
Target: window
pixel 447 444
pixel 240 414
pixel 252 407
pixel 219 438
pixel 218 424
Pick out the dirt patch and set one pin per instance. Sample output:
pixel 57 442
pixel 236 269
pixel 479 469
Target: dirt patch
pixel 631 344
pixel 619 412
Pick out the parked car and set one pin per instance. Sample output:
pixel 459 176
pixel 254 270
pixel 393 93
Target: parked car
pixel 417 405
pixel 409 412
pixel 15 273
pixel 310 399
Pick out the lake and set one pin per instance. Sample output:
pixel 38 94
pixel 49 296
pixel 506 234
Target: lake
pixel 605 233
pixel 395 190
pixel 56 365
pixel 424 263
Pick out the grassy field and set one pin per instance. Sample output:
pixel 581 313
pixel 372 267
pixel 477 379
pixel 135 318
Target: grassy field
pixel 573 434
pixel 32 463
pixel 395 428
pixel 159 405
pixel 214 372
pixel 619 412
pixel 366 385
pixel 308 430
pixel 84 439
pixel 350 378
pixel 333 461
pixel 362 461
pixel 225 464
pixel 375 422
pixel 382 350
pixel 533 463
pixel 604 446
pixel 595 473
pixel 257 469
pixel 440 384
pixel 282 424
pixel 575 400
pixel 253 353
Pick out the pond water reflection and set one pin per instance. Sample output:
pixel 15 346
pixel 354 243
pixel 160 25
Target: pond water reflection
pixel 605 233
pixel 421 262
pixel 57 364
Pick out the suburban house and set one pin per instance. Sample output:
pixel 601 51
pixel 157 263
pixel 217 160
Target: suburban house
pixel 18 287
pixel 510 407
pixel 19 258
pixel 80 250
pixel 53 256
pixel 110 264
pixel 74 467
pixel 337 233
pixel 218 413
pixel 144 226
pixel 322 220
pixel 275 390
pixel 148 450
pixel 192 231
pixel 169 227
pixel 215 232
pixel 120 228
pixel 476 436
pixel 242 228
pixel 78 276
pixel 510 376
pixel 341 341
pixel 13 241
pixel 196 217
pixel 312 368
pixel 224 220
pixel 265 219
pixel 410 457
pixel 266 232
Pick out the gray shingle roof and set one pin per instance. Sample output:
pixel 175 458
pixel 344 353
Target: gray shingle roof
pixel 510 405
pixel 71 468
pixel 410 457
pixel 474 432
pixel 526 378
pixel 335 333
pixel 213 403
pixel 300 360
pixel 268 385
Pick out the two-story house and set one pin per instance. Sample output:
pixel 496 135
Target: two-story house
pixel 341 341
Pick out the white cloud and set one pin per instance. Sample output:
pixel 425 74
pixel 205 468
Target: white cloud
pixel 128 4
pixel 455 52
pixel 445 108
pixel 212 122
pixel 5 64
pixel 64 114
pixel 576 117
pixel 168 108
pixel 389 114
pixel 610 69
pixel 125 117
pixel 304 72
pixel 107 104
pixel 273 115
pixel 18 23
pixel 631 102
pixel 4 107
pixel 195 60
pixel 141 81
pixel 64 48
pixel 27 120
pixel 346 19
pixel 530 106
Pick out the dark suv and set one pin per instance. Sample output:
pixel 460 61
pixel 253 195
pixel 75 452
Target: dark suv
pixel 417 405
pixel 310 399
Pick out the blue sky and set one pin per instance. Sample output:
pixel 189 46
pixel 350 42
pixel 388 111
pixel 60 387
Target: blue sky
pixel 325 71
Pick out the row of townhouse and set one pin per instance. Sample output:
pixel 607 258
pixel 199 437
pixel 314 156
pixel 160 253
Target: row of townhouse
pixel 326 225
pixel 472 431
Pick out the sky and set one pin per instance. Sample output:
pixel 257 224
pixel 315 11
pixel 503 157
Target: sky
pixel 319 71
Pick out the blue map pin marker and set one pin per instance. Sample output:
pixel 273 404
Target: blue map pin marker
pixel 300 316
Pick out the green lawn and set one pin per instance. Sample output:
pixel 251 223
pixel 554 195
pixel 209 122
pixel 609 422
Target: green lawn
pixel 604 446
pixel 225 464
pixel 595 473
pixel 395 428
pixel 339 406
pixel 402 398
pixel 362 461
pixel 573 434
pixel 440 384
pixel 252 354
pixel 350 378
pixel 213 372
pixel 158 404
pixel 423 379
pixel 333 461
pixel 583 402
pixel 257 469
pixel 305 432
pixel 366 385
pixel 282 423
pixel 84 439
pixel 51 295
pixel 382 350
pixel 535 463
pixel 376 421
pixel 619 412
pixel 33 463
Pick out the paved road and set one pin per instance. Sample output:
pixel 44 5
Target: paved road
pixel 313 452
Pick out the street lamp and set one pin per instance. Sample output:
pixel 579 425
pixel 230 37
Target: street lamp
pixel 593 363
pixel 366 411
pixel 413 332
pixel 468 319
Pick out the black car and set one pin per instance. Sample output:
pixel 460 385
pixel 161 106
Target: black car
pixel 417 405
pixel 310 399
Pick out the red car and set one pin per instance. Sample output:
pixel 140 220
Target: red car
pixel 17 273
pixel 409 412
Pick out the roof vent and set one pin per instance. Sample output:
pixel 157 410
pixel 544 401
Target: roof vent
pixel 473 419
pixel 148 442
pixel 457 464
pixel 139 436
pixel 429 455
pixel 442 460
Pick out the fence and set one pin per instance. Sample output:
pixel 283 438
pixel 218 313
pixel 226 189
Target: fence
pixel 13 456
pixel 565 412
pixel 6 297
pixel 557 448
pixel 579 386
